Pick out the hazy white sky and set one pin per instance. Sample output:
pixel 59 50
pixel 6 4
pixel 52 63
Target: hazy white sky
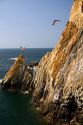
pixel 28 23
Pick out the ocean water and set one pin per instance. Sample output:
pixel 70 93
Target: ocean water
pixel 7 57
pixel 16 108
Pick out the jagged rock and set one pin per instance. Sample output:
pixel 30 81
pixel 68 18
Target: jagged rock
pixel 58 90
pixel 19 76
pixel 58 81
pixel 32 64
pixel 78 120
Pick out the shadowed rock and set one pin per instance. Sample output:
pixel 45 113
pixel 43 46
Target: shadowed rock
pixel 58 90
pixel 18 77
pixel 58 82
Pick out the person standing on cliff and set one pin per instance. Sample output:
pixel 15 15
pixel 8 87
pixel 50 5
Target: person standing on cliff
pixel 22 49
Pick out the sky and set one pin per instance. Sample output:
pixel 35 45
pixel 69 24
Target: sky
pixel 28 23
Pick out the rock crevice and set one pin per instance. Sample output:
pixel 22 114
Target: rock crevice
pixel 59 76
pixel 58 81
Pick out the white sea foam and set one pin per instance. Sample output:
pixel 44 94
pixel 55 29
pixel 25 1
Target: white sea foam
pixel 13 59
pixel 26 92
pixel 0 80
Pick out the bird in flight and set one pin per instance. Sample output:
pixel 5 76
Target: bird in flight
pixel 55 21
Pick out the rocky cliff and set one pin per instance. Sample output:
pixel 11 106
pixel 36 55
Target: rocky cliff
pixel 58 83
pixel 58 91
pixel 19 76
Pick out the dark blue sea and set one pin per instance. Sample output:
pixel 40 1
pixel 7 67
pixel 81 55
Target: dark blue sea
pixel 16 108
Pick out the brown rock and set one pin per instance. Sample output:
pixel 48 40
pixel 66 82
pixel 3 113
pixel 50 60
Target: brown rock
pixel 58 90
pixel 18 76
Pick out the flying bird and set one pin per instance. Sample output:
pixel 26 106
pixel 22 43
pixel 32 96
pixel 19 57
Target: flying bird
pixel 55 21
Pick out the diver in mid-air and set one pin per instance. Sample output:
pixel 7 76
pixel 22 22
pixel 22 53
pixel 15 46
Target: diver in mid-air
pixel 55 21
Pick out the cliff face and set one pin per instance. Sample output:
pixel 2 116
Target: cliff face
pixel 58 90
pixel 19 76
pixel 58 82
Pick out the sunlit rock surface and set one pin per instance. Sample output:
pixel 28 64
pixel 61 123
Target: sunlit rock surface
pixel 57 81
pixel 58 91
pixel 19 76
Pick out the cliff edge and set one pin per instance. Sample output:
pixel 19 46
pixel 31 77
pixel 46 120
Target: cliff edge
pixel 19 76
pixel 58 90
pixel 58 81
